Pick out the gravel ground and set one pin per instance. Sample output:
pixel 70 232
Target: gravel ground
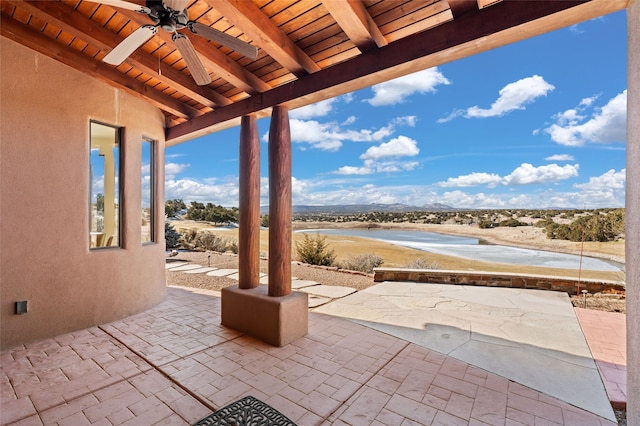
pixel 329 276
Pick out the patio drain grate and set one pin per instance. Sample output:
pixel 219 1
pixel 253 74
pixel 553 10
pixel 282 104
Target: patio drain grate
pixel 247 411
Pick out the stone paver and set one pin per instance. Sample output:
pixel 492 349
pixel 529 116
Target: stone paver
pixel 341 372
pixel 170 265
pixel 200 270
pixel 315 301
pixel 222 272
pixel 330 291
pixel 184 268
pixel 298 284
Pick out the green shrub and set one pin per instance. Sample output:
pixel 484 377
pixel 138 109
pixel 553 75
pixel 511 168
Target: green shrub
pixel 315 251
pixel 362 263
pixel 171 237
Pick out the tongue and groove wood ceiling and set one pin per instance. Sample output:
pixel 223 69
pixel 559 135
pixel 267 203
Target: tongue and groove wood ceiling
pixel 308 50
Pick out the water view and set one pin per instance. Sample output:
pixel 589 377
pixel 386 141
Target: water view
pixel 471 248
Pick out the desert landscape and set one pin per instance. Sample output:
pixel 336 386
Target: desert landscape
pixel 395 256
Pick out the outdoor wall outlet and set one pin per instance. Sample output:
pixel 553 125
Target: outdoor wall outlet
pixel 21 307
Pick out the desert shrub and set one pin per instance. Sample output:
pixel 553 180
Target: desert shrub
pixel 315 251
pixel 232 246
pixel 208 241
pixel 171 236
pixel 512 223
pixel 485 224
pixel 422 263
pixel 362 263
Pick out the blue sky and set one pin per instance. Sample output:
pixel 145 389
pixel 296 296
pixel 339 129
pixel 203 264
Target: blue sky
pixel 536 124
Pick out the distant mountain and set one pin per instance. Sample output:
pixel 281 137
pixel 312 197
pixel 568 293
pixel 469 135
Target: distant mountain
pixel 365 208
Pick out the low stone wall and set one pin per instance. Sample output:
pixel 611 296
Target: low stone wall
pixel 493 279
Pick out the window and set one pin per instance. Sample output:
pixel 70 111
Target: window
pixel 104 196
pixel 148 191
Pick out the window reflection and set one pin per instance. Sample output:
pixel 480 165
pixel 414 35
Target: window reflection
pixel 104 208
pixel 148 191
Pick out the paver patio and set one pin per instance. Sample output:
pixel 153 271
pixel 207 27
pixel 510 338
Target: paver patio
pixel 175 363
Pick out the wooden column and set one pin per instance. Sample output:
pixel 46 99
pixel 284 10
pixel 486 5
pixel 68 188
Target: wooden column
pixel 279 203
pixel 249 215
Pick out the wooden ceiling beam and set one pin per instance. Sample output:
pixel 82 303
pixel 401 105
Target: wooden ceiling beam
pixel 503 23
pixel 90 32
pixel 462 7
pixel 213 59
pixel 357 23
pixel 265 34
pixel 47 46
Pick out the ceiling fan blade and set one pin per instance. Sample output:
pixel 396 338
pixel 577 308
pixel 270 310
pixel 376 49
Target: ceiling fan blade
pixel 177 5
pixel 129 44
pixel 190 56
pixel 124 5
pixel 219 37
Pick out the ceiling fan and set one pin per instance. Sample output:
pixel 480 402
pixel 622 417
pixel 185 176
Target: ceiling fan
pixel 171 16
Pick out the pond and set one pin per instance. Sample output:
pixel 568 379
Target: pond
pixel 471 248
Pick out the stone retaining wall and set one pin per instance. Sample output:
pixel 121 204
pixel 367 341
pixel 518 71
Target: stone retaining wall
pixel 493 279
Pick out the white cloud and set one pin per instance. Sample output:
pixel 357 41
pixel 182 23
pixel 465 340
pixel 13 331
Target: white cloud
pixel 401 146
pixel 472 179
pixel 513 96
pixel 398 90
pixel 319 109
pixel 215 191
pixel 385 158
pixel 606 125
pixel 525 174
pixel 560 157
pixel 611 180
pixel 330 136
pixel 172 169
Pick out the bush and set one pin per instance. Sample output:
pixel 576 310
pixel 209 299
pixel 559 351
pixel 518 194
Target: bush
pixel 193 239
pixel 512 223
pixel 171 237
pixel 362 263
pixel 315 251
pixel 422 263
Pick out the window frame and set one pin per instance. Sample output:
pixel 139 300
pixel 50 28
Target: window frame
pixel 118 179
pixel 152 144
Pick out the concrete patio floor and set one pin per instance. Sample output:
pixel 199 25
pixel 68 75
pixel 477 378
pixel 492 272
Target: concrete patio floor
pixel 175 364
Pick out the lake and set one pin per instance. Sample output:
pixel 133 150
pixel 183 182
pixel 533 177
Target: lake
pixel 470 248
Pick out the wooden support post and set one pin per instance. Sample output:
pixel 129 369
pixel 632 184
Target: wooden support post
pixel 279 203
pixel 249 215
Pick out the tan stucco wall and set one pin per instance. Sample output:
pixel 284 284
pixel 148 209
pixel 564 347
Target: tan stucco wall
pixel 45 259
pixel 632 219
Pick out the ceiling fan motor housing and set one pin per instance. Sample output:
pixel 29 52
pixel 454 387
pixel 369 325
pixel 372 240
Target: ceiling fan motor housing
pixel 168 19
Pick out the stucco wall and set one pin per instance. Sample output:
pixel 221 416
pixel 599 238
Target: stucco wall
pixel 45 258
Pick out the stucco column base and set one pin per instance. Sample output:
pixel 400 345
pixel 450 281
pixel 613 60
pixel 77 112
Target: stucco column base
pixel 277 321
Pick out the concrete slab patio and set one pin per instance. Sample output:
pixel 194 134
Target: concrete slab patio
pixel 529 336
pixel 175 363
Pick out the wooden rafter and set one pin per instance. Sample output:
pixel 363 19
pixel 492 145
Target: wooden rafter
pixel 253 22
pixel 47 46
pixel 356 22
pixel 75 24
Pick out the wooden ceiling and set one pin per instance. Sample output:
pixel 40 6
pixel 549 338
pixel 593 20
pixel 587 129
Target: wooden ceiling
pixel 308 50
